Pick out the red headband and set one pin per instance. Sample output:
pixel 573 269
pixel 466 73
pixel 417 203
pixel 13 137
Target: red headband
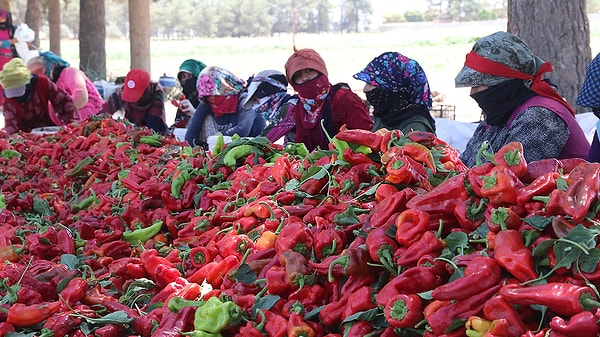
pixel 538 85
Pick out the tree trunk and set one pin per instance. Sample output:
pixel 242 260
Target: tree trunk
pixel 54 25
pixel 139 33
pixel 5 4
pixel 92 36
pixel 558 32
pixel 33 18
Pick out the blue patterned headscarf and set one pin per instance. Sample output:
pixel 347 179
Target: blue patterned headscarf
pixel 589 94
pixel 395 72
pixel 51 62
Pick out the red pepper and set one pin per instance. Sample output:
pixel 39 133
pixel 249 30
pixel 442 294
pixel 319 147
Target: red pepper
pixel 360 300
pixel 404 310
pixel 511 155
pixel 582 192
pixel 358 329
pixel 560 298
pixel 498 308
pixel 356 158
pixel 296 268
pixel 442 318
pixel 469 213
pixel 397 202
pixel 310 296
pixel 481 273
pixel 442 200
pixel 296 236
pixel 428 243
pixel 583 324
pixel 199 256
pixel 402 169
pixel 413 280
pixel 23 315
pixel 510 253
pixel 329 242
pixel 74 291
pixel 172 324
pixel 542 185
pixel 5 328
pixel 217 272
pixel 62 323
pixel 360 137
pixel 501 186
pixel 110 330
pixel 381 247
pixel 354 261
pixel 419 153
pixel 410 226
pixel 234 244
pixel 502 218
pixel 296 327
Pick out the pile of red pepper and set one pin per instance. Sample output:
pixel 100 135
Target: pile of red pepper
pixel 111 230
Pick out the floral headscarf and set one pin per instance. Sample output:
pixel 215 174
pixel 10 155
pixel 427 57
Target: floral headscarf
pixel 217 81
pixel 395 72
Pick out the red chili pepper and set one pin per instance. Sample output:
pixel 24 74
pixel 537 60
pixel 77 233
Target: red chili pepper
pixel 357 329
pixel 360 137
pixel 62 323
pixel 510 253
pixel 481 273
pixel 502 218
pixel 354 261
pixel 296 327
pixel 428 243
pixel 581 192
pixel 381 247
pixel 360 300
pixel 442 317
pixel 413 280
pixel 511 155
pixel 234 244
pixel 74 291
pixel 296 268
pixel 110 330
pixel 217 272
pixel 561 298
pixel 23 315
pixel 542 185
pixel 498 308
pixel 404 310
pixel 329 242
pixel 296 236
pixel 501 186
pixel 397 202
pixel 469 213
pixel 583 324
pixel 5 328
pixel 410 226
pixel 442 199
pixel 29 296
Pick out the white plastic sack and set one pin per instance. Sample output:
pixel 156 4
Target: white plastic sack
pixel 24 35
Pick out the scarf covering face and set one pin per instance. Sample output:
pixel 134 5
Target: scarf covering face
pixel 589 94
pixel 312 96
pixel 502 56
pixel 498 102
pixel 397 73
pixel 223 105
pixel 217 81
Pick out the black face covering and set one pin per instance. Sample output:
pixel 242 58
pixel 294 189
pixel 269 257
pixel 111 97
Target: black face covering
pixel 498 102
pixel 394 107
pixel 190 91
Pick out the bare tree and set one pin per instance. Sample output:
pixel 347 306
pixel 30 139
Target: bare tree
pixel 139 33
pixel 54 25
pixel 92 36
pixel 33 18
pixel 558 32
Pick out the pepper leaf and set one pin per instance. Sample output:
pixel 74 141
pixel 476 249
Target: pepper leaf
pixel 69 260
pixel 589 262
pixel 583 235
pixel 457 323
pixel 292 185
pixel 245 274
pixel 117 317
pixel 561 184
pixel 538 222
pixel 21 334
pixel 264 303
pixel 41 207
pixel 313 313
pixel 543 248
pixel 529 236
pixel 368 315
pixel 566 254
pixel 348 217
pixel 457 242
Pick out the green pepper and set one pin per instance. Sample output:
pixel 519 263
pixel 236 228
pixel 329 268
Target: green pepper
pixel 143 234
pixel 215 316
pixel 178 182
pixel 218 145
pixel 10 154
pixel 230 158
pixel 154 140
pixel 75 171
pixel 177 303
pixel 201 334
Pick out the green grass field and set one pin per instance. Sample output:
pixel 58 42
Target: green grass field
pixel 439 48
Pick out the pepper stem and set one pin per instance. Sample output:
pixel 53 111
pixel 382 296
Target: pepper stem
pixel 342 260
pixel 587 302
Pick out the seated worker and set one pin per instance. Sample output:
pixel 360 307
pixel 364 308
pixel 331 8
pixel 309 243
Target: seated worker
pixel 141 100
pixel 83 92
pixel 221 95
pixel 32 101
pixel 187 77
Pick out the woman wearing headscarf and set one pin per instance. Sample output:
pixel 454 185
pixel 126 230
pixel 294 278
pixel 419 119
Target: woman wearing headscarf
pixel 589 97
pixel 518 105
pixel 83 92
pixel 397 88
pixel 32 101
pixel 221 95
pixel 7 39
pixel 187 77
pixel 268 96
pixel 320 102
